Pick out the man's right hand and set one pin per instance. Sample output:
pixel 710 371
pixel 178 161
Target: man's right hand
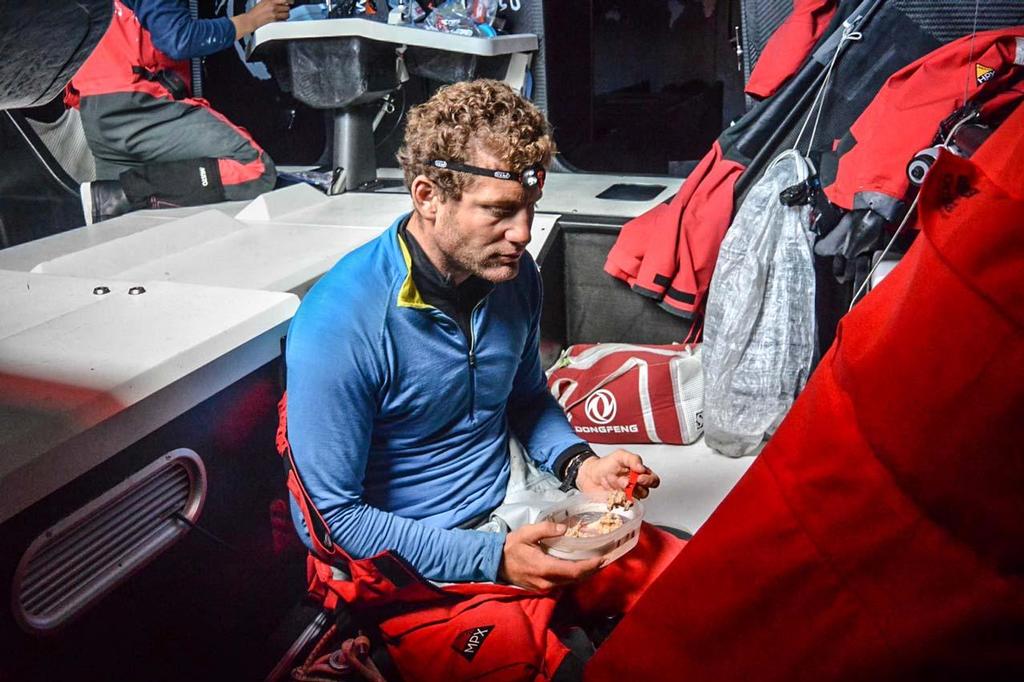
pixel 265 12
pixel 525 564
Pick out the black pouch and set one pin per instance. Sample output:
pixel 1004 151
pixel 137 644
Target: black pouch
pixel 174 183
pixel 170 80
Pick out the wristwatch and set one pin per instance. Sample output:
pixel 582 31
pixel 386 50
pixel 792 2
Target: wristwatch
pixel 573 468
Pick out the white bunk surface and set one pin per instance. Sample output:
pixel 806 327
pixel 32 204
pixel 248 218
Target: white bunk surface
pixel 577 193
pixel 83 374
pixel 694 481
pixel 282 241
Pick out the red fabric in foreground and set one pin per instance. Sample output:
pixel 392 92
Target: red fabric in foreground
pixel 669 253
pixel 880 534
pixel 790 46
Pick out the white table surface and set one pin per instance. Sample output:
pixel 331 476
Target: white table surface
pixel 576 193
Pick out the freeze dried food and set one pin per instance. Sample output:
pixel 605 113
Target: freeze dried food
pixel 617 500
pixel 580 527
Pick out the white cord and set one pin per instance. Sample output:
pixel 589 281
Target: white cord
pixel 970 58
pixel 854 35
pixel 945 144
pixel 818 105
pixel 906 217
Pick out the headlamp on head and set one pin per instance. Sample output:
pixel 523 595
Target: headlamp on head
pixel 530 178
pixel 533 177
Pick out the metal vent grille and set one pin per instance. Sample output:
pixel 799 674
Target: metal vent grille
pixel 74 563
pixel 65 138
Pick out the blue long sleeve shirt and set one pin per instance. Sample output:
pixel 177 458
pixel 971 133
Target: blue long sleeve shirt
pixel 175 33
pixel 398 438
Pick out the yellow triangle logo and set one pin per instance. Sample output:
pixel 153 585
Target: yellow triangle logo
pixel 983 73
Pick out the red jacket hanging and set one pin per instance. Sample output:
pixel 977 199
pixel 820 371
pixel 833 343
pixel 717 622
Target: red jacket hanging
pixel 790 46
pixel 904 117
pixel 879 536
pixel 678 271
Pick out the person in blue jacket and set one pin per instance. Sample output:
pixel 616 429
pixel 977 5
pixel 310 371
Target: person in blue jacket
pixel 412 362
pixel 155 144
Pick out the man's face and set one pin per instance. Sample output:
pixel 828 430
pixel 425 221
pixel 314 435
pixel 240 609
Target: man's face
pixel 486 231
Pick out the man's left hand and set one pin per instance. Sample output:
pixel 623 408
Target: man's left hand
pixel 611 472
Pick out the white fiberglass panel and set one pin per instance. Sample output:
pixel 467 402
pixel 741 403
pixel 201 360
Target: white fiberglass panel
pixel 577 193
pixel 72 360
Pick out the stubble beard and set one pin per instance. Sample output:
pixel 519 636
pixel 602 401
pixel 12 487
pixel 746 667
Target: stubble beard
pixel 462 260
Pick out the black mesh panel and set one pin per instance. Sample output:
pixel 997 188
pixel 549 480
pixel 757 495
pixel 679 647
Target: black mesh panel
pixel 760 19
pixel 948 20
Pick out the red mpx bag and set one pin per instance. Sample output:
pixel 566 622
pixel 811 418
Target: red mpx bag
pixel 627 393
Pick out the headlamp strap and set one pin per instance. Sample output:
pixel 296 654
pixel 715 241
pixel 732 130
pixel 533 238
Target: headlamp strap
pixel 530 177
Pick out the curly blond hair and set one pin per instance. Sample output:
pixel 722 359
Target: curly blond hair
pixel 460 119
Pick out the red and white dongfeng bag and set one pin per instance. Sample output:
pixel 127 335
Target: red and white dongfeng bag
pixel 626 393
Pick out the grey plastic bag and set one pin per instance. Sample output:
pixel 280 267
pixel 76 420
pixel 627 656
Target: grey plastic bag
pixel 759 334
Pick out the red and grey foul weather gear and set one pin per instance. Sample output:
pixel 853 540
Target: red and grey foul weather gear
pixel 904 116
pixel 917 107
pixel 166 147
pixel 670 252
pixel 878 536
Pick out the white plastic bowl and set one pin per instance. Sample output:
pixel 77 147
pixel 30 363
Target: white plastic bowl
pixel 610 546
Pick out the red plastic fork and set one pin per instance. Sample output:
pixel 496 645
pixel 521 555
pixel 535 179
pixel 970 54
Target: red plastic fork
pixel 632 484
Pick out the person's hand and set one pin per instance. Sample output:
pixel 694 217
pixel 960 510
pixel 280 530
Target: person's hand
pixel 525 564
pixel 611 472
pixel 265 12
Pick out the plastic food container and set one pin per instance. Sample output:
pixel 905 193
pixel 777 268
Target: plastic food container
pixel 590 508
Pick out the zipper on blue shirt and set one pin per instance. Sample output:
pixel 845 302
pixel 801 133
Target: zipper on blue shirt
pixel 472 361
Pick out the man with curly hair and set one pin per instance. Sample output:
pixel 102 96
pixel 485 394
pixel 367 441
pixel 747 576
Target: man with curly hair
pixel 413 361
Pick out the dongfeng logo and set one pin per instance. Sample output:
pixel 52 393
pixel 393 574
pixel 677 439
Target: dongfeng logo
pixel 601 407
